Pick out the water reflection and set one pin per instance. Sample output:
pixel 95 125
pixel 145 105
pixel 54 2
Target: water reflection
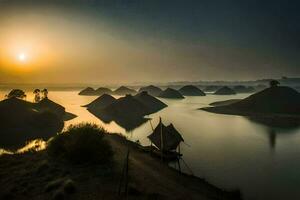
pixel 129 124
pixel 275 128
pixel 272 139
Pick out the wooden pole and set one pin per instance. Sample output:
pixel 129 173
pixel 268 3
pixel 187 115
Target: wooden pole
pixel 161 140
pixel 126 177
pixel 178 159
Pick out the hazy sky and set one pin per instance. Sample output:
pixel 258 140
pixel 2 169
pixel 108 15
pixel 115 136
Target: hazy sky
pixel 125 41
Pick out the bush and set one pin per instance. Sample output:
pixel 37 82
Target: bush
pixel 80 144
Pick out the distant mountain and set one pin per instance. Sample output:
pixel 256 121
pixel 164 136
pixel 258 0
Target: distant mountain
pixel 171 94
pixel 287 81
pixel 211 88
pixel 124 90
pixel 190 90
pixel 225 91
pixel 243 89
pixel 151 89
pixel 103 90
pixel 87 91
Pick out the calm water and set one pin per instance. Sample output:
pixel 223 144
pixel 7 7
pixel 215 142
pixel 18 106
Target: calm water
pixel 229 151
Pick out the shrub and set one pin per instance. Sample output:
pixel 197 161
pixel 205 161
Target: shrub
pixel 80 144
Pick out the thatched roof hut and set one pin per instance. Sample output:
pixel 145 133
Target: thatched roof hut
pixel 165 138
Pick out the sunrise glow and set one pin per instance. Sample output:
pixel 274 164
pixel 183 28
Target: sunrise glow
pixel 22 57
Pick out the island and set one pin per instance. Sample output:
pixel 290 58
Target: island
pixel 152 90
pixel 123 91
pixel 170 93
pixel 225 91
pixel 191 90
pixel 276 106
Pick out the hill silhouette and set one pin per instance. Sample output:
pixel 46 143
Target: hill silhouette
pixel 50 106
pixel 191 90
pixel 101 102
pixel 151 89
pixel 128 111
pixel 225 91
pixel 103 90
pixel 272 100
pixel 124 90
pixel 212 88
pixel 87 91
pixel 153 104
pixel 171 94
pixel 22 121
pixel 275 104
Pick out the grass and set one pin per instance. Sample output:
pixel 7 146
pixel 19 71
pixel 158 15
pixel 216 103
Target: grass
pixel 81 144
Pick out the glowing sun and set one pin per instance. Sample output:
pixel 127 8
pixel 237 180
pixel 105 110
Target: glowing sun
pixel 22 57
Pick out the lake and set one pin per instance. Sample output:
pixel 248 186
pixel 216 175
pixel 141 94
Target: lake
pixel 228 151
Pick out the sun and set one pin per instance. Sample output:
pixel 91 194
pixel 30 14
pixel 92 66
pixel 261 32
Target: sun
pixel 22 57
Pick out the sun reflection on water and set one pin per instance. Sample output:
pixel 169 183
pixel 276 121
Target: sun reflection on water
pixel 32 146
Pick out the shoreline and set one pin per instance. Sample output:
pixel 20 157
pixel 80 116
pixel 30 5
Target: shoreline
pixel 269 119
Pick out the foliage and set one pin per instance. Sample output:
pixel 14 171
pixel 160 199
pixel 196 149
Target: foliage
pixel 274 83
pixel 37 96
pixel 17 93
pixel 82 143
pixel 45 93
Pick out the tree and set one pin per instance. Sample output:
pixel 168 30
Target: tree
pixel 45 93
pixel 274 83
pixel 17 93
pixel 37 96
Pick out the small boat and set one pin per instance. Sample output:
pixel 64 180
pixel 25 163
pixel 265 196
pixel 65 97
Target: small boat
pixel 165 141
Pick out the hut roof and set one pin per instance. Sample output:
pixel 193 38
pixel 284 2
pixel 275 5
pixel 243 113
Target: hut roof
pixel 168 134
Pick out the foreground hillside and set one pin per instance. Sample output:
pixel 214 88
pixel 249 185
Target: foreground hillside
pixel 36 175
